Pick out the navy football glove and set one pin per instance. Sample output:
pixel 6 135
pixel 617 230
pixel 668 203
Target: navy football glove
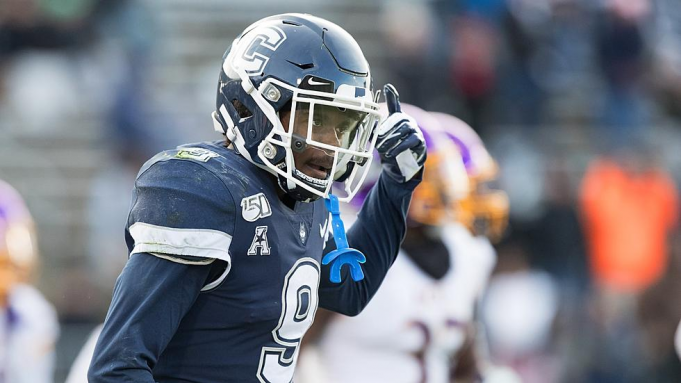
pixel 400 141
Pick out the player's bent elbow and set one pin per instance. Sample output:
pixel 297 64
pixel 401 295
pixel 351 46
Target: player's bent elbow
pixel 96 374
pixel 348 301
pixel 352 310
pixel 92 375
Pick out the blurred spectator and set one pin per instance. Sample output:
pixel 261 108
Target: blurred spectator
pixel 548 64
pixel 622 54
pixel 522 174
pixel 556 244
pixel 519 96
pixel 33 24
pixel 474 45
pixel 519 310
pixel 28 323
pixel 629 208
pixel 410 51
pixel 42 91
pixel 473 64
pixel 556 238
pixel 666 44
pixel 658 316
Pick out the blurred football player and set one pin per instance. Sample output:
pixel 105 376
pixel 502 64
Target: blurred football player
pixel 419 327
pixel 226 239
pixel 28 323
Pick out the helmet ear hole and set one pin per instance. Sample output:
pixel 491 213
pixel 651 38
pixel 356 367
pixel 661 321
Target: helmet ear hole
pixel 241 109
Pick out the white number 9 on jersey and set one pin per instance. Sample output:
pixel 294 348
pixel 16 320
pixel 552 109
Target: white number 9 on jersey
pixel 299 302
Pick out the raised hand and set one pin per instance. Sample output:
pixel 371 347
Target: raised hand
pixel 400 142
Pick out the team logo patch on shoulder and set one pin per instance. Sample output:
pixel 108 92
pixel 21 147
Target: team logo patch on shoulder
pixel 255 207
pixel 198 154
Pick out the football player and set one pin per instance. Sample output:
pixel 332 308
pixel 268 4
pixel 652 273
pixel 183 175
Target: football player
pixel 419 327
pixel 226 239
pixel 28 323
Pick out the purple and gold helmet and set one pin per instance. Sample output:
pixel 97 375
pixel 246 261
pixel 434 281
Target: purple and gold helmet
pixel 18 247
pixel 484 210
pixel 444 178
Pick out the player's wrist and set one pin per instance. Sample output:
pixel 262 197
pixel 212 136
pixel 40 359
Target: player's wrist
pixel 401 144
pixel 393 179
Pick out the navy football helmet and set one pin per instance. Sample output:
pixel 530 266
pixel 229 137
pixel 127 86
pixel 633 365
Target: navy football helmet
pixel 315 70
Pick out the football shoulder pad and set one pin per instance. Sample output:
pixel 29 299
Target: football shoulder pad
pixel 182 206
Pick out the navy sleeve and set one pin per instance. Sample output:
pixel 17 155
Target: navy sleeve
pixel 150 298
pixel 378 233
pixel 181 211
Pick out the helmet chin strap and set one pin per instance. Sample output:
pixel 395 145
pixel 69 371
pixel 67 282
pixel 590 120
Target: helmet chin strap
pixel 231 132
pixel 217 126
pixel 290 185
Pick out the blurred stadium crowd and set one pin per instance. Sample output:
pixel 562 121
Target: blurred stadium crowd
pixel 579 101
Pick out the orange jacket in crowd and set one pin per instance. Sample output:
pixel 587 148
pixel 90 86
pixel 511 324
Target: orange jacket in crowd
pixel 627 217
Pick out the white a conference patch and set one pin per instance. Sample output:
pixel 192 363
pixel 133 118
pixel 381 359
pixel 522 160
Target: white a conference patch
pixel 255 207
pixel 260 244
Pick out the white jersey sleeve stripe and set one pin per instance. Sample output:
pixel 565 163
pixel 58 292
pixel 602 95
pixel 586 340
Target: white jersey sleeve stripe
pixel 199 261
pixel 192 242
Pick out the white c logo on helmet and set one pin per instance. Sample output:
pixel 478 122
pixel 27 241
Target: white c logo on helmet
pixel 252 59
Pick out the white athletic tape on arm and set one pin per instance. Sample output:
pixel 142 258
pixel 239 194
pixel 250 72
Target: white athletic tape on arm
pixel 407 164
pixel 192 242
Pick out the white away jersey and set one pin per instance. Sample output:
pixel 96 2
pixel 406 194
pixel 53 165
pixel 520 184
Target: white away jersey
pixel 415 323
pixel 29 330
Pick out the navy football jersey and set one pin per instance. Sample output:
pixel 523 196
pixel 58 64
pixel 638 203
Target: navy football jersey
pixel 224 278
